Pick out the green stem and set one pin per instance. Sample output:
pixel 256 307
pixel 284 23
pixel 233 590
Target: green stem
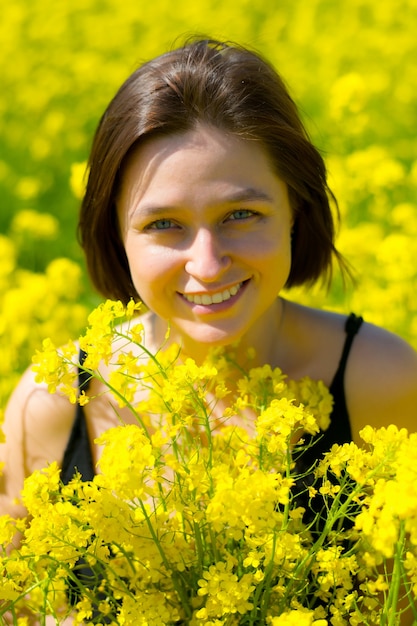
pixel 263 589
pixel 411 600
pixel 151 355
pixel 174 575
pixel 288 476
pixel 213 544
pixel 390 612
pixel 267 593
pixel 130 406
pixel 199 544
pixel 336 512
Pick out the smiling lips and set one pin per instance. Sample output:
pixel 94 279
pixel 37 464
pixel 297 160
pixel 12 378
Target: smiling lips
pixel 215 298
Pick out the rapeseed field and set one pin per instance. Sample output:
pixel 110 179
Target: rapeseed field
pixel 351 66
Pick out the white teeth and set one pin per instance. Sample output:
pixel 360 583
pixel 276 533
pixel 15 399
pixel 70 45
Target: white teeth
pixel 216 298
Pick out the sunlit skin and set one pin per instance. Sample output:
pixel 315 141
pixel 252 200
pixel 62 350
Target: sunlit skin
pixel 206 224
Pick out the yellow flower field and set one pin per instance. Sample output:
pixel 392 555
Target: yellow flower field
pixel 196 521
pixel 352 66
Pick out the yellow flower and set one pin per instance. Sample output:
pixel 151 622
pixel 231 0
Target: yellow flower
pixel 151 608
pixel 9 589
pixel 40 488
pixel 349 93
pixel 136 333
pixel 7 529
pixel 226 594
pixel 7 256
pixel 297 618
pixel 315 397
pixel 84 610
pixel 78 178
pixel 126 462
pixel 333 569
pixel 37 225
pixel 124 378
pixel 64 278
pixel 52 368
pixel 197 513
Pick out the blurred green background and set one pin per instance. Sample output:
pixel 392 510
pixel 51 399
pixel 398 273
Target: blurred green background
pixel 351 65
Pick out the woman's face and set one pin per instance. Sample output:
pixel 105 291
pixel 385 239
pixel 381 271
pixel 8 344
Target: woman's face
pixel 206 226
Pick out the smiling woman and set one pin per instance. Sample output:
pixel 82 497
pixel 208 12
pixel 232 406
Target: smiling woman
pixel 213 221
pixel 205 198
pixel 223 87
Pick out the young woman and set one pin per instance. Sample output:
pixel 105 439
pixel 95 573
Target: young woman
pixel 205 199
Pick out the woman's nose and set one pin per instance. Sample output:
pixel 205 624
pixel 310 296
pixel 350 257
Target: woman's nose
pixel 207 257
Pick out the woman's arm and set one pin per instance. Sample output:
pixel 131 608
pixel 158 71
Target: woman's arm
pixel 37 426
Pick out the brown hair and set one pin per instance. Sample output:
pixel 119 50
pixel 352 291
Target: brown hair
pixel 230 88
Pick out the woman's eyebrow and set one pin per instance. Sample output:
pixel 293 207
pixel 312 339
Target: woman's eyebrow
pixel 152 210
pixel 246 194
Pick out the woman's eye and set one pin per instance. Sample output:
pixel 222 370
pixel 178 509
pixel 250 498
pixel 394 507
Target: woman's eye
pixel 162 224
pixel 241 214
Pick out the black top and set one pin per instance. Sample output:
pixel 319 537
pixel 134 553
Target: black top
pixel 78 455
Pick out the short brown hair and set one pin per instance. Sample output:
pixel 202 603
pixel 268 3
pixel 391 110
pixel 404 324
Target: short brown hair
pixel 228 87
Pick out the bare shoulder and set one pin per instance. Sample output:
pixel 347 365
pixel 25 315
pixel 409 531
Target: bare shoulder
pixel 381 380
pixel 36 428
pixel 38 424
pixel 32 408
pixel 381 371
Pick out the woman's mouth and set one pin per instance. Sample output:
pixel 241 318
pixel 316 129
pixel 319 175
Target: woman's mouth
pixel 213 298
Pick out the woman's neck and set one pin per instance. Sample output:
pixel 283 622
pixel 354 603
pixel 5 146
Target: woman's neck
pixel 262 344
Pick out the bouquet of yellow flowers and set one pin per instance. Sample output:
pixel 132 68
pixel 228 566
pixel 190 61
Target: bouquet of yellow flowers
pixel 199 518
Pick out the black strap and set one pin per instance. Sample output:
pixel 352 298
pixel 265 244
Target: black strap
pixel 339 430
pixel 84 377
pixel 78 455
pixel 352 326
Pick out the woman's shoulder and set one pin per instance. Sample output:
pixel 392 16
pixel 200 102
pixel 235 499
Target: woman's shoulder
pixel 381 369
pixel 381 380
pixel 374 347
pixel 35 417
pixel 315 341
pixel 36 427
